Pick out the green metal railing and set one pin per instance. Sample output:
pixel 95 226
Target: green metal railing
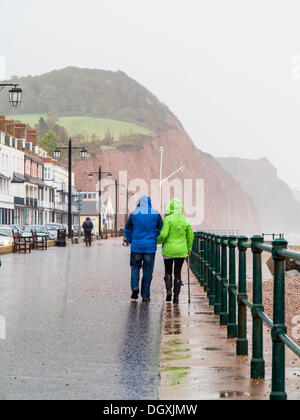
pixel 209 260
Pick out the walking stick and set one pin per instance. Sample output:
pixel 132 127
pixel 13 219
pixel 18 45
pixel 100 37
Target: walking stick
pixel 188 267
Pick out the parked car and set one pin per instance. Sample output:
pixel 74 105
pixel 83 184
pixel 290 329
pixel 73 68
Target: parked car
pixel 66 229
pixel 52 228
pixel 77 231
pixel 39 229
pixel 6 235
pixel 21 230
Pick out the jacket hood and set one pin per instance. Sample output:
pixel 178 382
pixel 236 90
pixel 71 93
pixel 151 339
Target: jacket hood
pixel 175 206
pixel 144 201
pixel 144 205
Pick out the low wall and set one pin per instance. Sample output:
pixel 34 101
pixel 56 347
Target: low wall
pixel 6 249
pixel 9 249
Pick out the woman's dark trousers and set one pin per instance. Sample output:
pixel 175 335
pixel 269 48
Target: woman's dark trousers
pixel 177 263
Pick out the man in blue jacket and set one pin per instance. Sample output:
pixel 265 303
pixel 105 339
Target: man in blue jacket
pixel 142 228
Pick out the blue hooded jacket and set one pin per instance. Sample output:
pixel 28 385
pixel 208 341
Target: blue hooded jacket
pixel 143 227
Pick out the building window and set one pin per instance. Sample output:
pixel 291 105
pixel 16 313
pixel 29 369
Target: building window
pixel 47 174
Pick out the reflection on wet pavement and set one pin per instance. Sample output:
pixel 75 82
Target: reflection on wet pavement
pixel 200 363
pixel 72 330
pixel 172 324
pixel 136 355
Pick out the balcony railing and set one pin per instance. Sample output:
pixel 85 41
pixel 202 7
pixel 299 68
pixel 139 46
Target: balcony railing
pixel 31 202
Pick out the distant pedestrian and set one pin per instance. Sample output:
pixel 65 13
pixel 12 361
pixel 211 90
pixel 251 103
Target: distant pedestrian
pixel 88 228
pixel 141 231
pixel 177 238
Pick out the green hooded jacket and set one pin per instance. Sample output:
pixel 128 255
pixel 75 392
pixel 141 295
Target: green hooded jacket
pixel 177 234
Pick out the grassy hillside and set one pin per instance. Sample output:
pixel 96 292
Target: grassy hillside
pixel 99 126
pixel 30 119
pixel 87 126
pixel 89 93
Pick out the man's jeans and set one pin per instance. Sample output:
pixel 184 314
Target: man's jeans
pixel 137 261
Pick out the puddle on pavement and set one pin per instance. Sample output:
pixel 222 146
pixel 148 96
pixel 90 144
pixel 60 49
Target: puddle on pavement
pixel 175 342
pixel 172 332
pixel 171 328
pixel 203 313
pixel 233 394
pixel 194 341
pixel 212 349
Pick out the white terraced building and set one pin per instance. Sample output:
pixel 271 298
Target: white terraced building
pixel 32 186
pixel 11 169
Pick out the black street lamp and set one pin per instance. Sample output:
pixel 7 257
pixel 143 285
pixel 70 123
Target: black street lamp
pixel 57 155
pixel 90 176
pixel 127 201
pixel 15 93
pixel 116 200
pixel 79 207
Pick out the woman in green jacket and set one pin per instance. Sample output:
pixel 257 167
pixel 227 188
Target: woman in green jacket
pixel 177 238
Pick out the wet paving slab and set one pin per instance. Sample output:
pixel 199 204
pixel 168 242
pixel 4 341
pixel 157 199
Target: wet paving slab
pixel 73 331
pixel 199 362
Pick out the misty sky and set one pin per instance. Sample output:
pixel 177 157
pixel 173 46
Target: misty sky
pixel 229 69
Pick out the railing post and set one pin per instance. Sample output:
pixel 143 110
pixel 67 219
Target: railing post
pixel 198 266
pixel 194 258
pixel 212 271
pixel 208 265
pixel 224 306
pixel 242 341
pixel 217 308
pixel 278 351
pixel 232 325
pixel 201 251
pixel 205 262
pixel 257 362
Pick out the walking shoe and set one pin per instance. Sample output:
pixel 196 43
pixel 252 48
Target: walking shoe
pixel 135 294
pixel 177 287
pixel 146 300
pixel 169 298
pixel 168 280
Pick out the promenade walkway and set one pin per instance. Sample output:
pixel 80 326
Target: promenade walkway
pixel 199 362
pixel 72 330
pixel 74 333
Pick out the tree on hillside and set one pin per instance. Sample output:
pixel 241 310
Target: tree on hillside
pixel 61 132
pixel 93 93
pixel 42 127
pixel 108 139
pixel 51 140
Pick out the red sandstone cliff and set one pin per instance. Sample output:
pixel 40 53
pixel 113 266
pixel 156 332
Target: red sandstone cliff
pixel 227 206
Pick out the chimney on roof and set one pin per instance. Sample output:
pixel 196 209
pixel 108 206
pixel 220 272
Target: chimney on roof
pixel 20 131
pixel 31 136
pixel 2 122
pixel 10 127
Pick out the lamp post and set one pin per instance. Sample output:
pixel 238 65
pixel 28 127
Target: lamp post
pixel 116 200
pixel 162 181
pixel 127 203
pixel 79 207
pixel 90 176
pixel 160 178
pixel 57 155
pixel 15 93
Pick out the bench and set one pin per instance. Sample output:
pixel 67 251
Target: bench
pixel 20 243
pixel 39 241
